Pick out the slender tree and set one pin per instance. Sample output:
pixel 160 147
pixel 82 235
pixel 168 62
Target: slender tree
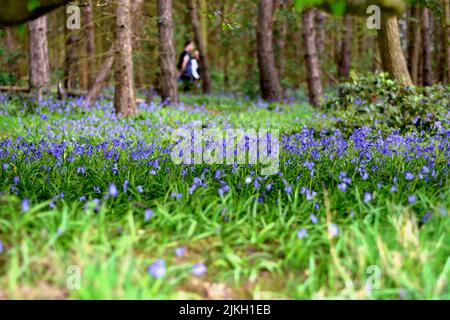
pixel 315 90
pixel 168 81
pixel 414 38
pixel 199 39
pixel 91 62
pixel 346 49
pixel 269 82
pixel 279 41
pixel 105 69
pixel 124 98
pixel 71 69
pixel 446 36
pixel 427 72
pixel 391 52
pixel 39 65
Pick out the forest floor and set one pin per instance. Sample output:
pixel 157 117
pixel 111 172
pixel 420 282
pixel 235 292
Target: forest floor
pixel 93 207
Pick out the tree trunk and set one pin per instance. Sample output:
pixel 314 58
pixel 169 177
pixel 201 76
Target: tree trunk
pixel 391 52
pixel 90 43
pixel 10 48
pixel 203 6
pixel 269 82
pixel 426 48
pixel 124 98
pixel 280 38
pixel 321 19
pixel 204 64
pixel 106 67
pixel 414 38
pixel 168 83
pixel 39 65
pixel 225 47
pixel 346 49
pixel 446 37
pixel 315 90
pixel 70 62
pixel 102 76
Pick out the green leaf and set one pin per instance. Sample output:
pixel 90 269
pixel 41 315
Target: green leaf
pixel 338 7
pixel 21 29
pixel 33 5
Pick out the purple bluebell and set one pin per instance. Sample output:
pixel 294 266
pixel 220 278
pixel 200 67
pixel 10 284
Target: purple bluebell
pixel 313 218
pixel 180 251
pixel 367 197
pixel 112 190
pixel 302 233
pixel 25 205
pixel 148 213
pixel 157 269
pixel 198 269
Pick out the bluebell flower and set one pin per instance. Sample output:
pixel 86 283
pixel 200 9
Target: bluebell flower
pixel 148 213
pixel 25 205
pixel 157 269
pixel 1 247
pixel 426 217
pixel 367 197
pixel 140 189
pixel 313 218
pixel 412 199
pixel 198 269
pixel 409 176
pixel 180 251
pixel 112 190
pixel 302 233
pixel 342 186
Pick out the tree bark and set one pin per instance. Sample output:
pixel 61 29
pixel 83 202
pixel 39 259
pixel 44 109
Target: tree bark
pixel 10 48
pixel 225 47
pixel 168 83
pixel 391 52
pixel 124 98
pixel 414 38
pixel 106 68
pixel 446 37
pixel 346 49
pixel 315 90
pixel 426 48
pixel 90 43
pixel 70 60
pixel 39 65
pixel 203 6
pixel 102 76
pixel 199 39
pixel 280 38
pixel 269 82
pixel 321 18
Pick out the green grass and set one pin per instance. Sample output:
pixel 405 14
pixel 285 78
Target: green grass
pixel 251 249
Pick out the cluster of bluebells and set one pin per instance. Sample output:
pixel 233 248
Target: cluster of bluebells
pixel 110 149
